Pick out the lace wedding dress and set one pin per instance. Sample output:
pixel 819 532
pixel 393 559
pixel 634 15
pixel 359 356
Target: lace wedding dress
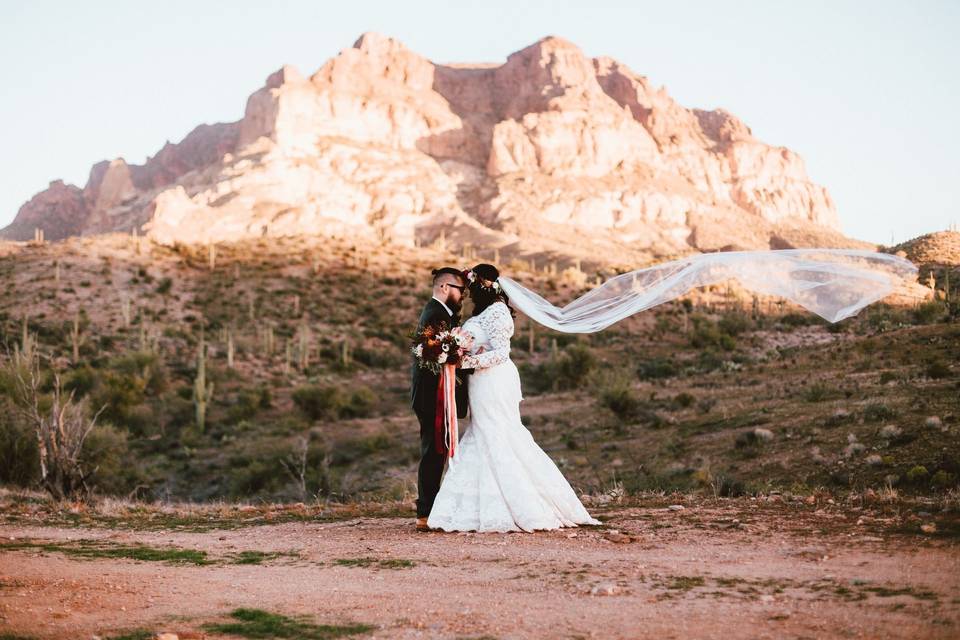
pixel 500 479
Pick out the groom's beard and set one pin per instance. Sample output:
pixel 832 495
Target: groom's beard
pixel 454 306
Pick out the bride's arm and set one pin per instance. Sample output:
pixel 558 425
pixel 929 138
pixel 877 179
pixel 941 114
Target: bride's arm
pixel 498 324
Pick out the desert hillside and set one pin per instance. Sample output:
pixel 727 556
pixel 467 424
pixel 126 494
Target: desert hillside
pixel 302 344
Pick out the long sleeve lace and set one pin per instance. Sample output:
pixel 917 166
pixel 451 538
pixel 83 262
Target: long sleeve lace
pixel 498 323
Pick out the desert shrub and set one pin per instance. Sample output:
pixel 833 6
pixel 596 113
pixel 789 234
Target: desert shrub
pixel 657 368
pixel 245 405
pixel 19 460
pixel 386 358
pixel 360 403
pixel 877 411
pixel 574 365
pixel 257 470
pixel 331 403
pixel 918 474
pixel 937 370
pixel 81 380
pixel 795 319
pixel 887 376
pixel 570 370
pixel 929 312
pixel 683 400
pixel 120 394
pixel 943 479
pixel 110 465
pixel 816 392
pixel 622 401
pixel 733 324
pixel 707 333
pixel 318 402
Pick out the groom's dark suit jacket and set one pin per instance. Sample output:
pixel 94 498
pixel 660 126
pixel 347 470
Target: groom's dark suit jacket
pixel 424 383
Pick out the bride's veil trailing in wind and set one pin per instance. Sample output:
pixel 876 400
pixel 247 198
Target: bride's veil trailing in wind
pixel 833 283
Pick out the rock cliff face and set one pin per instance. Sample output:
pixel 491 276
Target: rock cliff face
pixel 552 149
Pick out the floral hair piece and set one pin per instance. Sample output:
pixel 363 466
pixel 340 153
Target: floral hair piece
pixel 472 278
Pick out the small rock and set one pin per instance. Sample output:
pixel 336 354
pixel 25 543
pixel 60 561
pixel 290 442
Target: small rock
pixel 618 537
pixel 166 636
pixel 928 527
pixel 874 460
pixel 764 435
pixel 676 507
pixel 606 589
pixel 851 438
pixel 818 457
pixel 766 598
pixel 933 422
pixel 890 431
pixel 853 449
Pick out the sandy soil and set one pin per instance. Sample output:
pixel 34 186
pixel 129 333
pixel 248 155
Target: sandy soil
pixel 732 569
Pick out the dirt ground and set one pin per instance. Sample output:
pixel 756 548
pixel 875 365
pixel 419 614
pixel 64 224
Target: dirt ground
pixel 725 569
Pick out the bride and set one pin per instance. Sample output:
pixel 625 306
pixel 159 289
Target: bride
pixel 500 479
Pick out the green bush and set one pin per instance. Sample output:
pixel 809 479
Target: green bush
pixel 877 411
pixel 331 403
pixel 707 333
pixel 917 474
pixel 684 400
pixel 108 461
pixel 794 319
pixel 943 479
pixel 733 324
pixel 81 380
pixel 19 461
pixel 622 401
pixel 937 370
pixel 657 368
pixel 317 402
pixel 816 392
pixel 387 358
pixel 929 312
pixel 574 366
pixel 359 404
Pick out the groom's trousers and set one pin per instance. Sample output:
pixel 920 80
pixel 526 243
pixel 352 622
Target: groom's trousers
pixel 431 464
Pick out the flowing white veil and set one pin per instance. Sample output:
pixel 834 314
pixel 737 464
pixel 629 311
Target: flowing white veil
pixel 833 283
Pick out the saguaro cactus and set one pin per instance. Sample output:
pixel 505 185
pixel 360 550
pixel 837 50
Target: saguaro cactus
pixel 231 347
pixel 303 348
pixel 75 338
pixel 125 311
pixel 202 390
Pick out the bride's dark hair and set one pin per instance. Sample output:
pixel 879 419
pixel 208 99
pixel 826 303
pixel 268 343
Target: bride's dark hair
pixel 483 296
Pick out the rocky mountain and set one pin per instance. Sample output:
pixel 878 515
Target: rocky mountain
pixel 565 152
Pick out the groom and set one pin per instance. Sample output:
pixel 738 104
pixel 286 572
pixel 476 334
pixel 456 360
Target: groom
pixel 444 307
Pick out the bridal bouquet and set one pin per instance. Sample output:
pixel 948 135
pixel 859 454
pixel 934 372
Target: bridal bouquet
pixel 440 350
pixel 436 348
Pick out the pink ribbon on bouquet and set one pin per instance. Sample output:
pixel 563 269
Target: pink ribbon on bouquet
pixel 446 429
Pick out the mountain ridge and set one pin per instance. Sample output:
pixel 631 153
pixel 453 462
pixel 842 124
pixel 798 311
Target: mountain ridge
pixel 553 149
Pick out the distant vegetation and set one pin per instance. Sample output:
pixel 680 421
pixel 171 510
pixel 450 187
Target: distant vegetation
pixel 280 371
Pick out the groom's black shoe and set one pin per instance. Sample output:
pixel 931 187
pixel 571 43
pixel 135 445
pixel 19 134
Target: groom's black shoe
pixel 422 525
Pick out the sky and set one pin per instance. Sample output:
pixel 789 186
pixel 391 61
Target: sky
pixel 868 92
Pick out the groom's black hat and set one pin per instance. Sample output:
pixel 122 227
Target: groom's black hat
pixel 447 270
